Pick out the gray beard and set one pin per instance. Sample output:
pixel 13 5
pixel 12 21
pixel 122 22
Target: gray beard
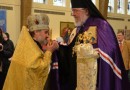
pixel 45 42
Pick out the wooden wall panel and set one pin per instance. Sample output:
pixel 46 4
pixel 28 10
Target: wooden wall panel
pixel 103 6
pixel 26 6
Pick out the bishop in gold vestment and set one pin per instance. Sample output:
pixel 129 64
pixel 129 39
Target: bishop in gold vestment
pixel 29 66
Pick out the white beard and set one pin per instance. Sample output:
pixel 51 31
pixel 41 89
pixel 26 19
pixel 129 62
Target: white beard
pixel 78 24
pixel 81 21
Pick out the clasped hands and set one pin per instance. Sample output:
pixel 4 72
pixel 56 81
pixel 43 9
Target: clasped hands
pixel 52 45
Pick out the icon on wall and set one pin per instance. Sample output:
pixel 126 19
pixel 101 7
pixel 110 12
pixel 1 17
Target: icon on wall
pixel 66 29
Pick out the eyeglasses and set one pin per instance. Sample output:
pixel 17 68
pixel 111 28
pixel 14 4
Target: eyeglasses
pixel 77 10
pixel 4 37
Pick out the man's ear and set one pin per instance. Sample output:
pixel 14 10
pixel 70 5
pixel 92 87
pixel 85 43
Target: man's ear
pixel 87 12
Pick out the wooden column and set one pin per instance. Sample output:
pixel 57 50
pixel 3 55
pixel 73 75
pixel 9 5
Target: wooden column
pixel 103 6
pixel 26 6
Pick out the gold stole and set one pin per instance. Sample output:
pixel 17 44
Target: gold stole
pixel 87 67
